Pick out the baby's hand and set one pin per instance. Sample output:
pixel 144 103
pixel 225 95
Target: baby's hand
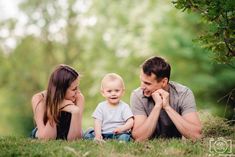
pixel 99 139
pixel 117 131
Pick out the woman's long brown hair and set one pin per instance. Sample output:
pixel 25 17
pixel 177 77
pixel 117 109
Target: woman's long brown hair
pixel 60 80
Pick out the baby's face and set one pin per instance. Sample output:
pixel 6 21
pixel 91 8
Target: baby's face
pixel 112 91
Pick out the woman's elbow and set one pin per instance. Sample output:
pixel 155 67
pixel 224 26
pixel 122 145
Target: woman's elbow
pixel 45 136
pixel 75 137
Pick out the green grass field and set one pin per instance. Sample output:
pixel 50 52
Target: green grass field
pixel 218 140
pixel 15 146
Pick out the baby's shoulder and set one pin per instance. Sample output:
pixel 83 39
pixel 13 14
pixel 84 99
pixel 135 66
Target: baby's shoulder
pixel 124 104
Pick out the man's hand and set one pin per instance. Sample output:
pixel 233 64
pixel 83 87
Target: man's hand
pixel 157 99
pixel 165 98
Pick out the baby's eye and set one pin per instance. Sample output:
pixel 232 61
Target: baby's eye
pixel 117 90
pixel 109 91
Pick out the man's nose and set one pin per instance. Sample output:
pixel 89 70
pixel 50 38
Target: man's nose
pixel 142 86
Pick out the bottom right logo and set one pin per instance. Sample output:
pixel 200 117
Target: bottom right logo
pixel 220 146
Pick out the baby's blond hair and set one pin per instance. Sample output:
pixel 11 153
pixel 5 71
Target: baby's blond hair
pixel 111 77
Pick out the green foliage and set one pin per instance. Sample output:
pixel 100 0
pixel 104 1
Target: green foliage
pixel 214 126
pixel 219 15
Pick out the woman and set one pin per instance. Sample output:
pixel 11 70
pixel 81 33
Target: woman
pixel 58 110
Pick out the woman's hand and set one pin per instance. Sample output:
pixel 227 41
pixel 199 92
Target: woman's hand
pixel 80 100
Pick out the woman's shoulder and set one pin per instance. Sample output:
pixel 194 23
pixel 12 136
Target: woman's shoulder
pixel 38 96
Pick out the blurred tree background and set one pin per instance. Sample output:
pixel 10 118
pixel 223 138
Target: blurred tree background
pixel 97 37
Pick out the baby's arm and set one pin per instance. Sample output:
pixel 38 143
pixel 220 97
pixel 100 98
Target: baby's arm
pixel 127 126
pixel 98 135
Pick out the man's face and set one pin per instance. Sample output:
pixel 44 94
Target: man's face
pixel 149 84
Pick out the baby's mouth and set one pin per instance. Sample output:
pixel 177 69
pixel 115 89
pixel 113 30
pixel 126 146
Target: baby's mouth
pixel 113 98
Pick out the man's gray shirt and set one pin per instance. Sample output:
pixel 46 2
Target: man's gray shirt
pixel 181 100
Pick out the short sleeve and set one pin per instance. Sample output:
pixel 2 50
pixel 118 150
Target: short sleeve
pixel 188 103
pixel 127 113
pixel 98 114
pixel 137 106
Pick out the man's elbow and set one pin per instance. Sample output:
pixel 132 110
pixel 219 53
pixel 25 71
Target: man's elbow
pixel 131 122
pixel 137 137
pixel 197 135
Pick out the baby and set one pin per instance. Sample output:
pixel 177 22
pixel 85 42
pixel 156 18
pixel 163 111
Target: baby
pixel 113 117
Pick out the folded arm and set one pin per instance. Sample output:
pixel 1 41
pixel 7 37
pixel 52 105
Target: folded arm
pixel 127 126
pixel 76 109
pixel 98 134
pixel 144 126
pixel 188 125
pixel 45 131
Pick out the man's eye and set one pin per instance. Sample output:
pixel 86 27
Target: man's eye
pixel 146 83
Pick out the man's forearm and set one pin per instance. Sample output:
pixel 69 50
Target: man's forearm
pixel 186 128
pixel 144 131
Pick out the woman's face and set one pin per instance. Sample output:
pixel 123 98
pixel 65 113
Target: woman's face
pixel 72 90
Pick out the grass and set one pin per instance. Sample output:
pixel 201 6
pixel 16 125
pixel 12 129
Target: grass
pixel 15 146
pixel 214 129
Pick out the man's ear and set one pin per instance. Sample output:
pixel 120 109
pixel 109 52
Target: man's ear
pixel 164 82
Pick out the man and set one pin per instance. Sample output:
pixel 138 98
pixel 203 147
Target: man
pixel 163 108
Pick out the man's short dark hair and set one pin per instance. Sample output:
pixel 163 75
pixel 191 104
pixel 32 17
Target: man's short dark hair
pixel 158 66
